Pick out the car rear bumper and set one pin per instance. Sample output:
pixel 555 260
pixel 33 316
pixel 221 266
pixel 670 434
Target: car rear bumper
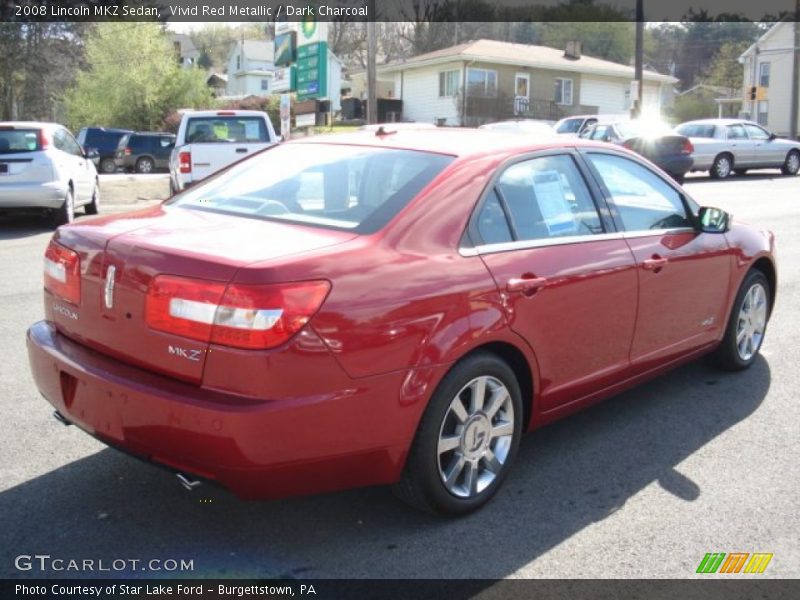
pixel 258 449
pixel 677 165
pixel 32 195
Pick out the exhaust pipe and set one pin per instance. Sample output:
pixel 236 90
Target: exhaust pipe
pixel 187 483
pixel 61 418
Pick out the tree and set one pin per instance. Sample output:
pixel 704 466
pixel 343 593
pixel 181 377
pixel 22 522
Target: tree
pixel 725 70
pixel 133 84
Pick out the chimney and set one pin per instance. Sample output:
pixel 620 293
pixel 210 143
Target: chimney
pixel 573 50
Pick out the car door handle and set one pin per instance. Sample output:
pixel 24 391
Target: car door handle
pixel 526 285
pixel 654 264
pixel 241 150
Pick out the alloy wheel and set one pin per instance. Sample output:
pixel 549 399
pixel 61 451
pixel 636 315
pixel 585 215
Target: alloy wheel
pixel 752 322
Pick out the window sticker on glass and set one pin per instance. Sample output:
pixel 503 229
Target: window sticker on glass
pixel 251 130
pixel 553 203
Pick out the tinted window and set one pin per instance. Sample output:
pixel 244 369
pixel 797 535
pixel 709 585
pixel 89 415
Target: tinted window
pixel 547 198
pixel 123 141
pixel 492 222
pixel 215 130
pixel 347 187
pixel 756 133
pixel 698 130
pixel 643 200
pixel 19 140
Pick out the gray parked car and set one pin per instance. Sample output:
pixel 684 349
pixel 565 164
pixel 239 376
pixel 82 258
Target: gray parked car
pixel 725 146
pixel 43 167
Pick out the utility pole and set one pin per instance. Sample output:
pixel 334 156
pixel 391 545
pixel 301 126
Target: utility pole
pixel 372 50
pixel 636 112
pixel 795 74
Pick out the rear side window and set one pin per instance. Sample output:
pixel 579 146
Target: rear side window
pixel 545 198
pixel 233 130
pixel 643 200
pixel 697 130
pixel 344 187
pixel 123 141
pixel 13 141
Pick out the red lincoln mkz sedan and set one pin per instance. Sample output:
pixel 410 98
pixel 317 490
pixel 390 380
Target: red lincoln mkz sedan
pixel 388 308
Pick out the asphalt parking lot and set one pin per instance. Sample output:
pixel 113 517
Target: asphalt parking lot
pixel 641 486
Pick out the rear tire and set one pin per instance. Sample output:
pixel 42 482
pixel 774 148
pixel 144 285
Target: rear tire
pixel 108 166
pixel 94 206
pixel 462 453
pixel 747 324
pixel 792 163
pixel 145 165
pixel 722 166
pixel 65 214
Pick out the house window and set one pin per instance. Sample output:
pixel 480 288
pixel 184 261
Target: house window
pixel 448 83
pixel 481 82
pixel 763 74
pixel 763 113
pixel 563 91
pixel 265 85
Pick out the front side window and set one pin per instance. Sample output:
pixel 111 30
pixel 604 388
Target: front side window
pixel 736 132
pixel 448 83
pixel 544 198
pixel 344 187
pixel 643 200
pixel 763 74
pixel 563 91
pixel 482 82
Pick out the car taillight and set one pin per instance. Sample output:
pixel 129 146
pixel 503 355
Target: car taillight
pixel 62 273
pixel 239 316
pixel 185 162
pixel 44 140
pixel 687 147
pixel 127 151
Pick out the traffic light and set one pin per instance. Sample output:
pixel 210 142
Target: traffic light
pixel 753 91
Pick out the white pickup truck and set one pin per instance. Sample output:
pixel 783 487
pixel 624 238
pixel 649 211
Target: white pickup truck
pixel 210 140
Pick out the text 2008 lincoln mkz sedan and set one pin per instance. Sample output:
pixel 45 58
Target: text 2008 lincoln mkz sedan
pixel 388 308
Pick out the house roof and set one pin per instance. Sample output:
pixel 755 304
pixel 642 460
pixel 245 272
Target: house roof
pixel 188 49
pixel 720 90
pixel 258 50
pixel 768 34
pixel 524 55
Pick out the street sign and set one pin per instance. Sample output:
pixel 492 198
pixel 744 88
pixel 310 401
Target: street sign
pixel 286 115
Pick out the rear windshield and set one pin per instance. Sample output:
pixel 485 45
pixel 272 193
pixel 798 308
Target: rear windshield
pixel 232 130
pixel 697 130
pixel 13 141
pixel 344 187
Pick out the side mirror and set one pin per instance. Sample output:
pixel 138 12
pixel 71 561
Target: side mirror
pixel 713 220
pixel 91 153
pixel 772 136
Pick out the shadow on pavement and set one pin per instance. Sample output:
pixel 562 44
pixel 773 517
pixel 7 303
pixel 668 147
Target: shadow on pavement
pixel 568 475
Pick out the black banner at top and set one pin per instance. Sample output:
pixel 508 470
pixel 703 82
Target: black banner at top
pixel 394 10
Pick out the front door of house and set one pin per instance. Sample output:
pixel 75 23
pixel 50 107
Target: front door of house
pixel 522 93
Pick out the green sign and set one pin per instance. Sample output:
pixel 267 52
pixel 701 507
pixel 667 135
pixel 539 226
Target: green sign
pixel 312 71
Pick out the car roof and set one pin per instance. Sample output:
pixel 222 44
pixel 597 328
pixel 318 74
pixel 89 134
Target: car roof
pixel 32 124
pixel 719 122
pixel 224 113
pixel 453 141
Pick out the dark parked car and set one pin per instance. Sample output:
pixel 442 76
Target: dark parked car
pixel 388 308
pixel 145 152
pixel 105 142
pixel 655 141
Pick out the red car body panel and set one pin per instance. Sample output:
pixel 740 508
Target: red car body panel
pixel 338 405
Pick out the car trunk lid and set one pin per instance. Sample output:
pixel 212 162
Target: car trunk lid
pixel 121 256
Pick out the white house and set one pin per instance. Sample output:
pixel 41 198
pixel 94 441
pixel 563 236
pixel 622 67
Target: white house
pixel 505 80
pixel 185 50
pixel 250 68
pixel 768 67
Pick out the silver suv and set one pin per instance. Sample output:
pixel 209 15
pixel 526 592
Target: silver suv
pixel 43 167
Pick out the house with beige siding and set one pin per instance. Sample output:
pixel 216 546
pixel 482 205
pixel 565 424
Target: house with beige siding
pixel 768 67
pixel 487 80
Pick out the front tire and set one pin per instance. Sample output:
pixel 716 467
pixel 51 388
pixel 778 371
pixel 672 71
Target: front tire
pixel 467 439
pixel 747 324
pixel 792 164
pixel 722 166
